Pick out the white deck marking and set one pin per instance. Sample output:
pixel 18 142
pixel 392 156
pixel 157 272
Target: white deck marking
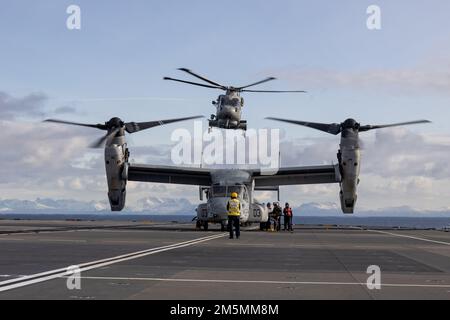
pixel 12 233
pixel 63 240
pixel 58 273
pixel 411 237
pixel 320 283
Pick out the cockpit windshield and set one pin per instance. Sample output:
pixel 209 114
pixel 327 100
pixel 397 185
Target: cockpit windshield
pixel 219 191
pixel 232 102
pixel 237 189
pixel 226 191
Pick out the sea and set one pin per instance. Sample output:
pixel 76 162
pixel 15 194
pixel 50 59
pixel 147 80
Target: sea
pixel 379 221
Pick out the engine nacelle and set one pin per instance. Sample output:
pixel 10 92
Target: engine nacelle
pixel 347 202
pixel 349 165
pixel 116 164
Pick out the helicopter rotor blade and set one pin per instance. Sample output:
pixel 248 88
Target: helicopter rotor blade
pixel 132 127
pixel 97 126
pixel 275 91
pixel 194 83
pixel 256 83
pixel 106 138
pixel 372 127
pixel 332 128
pixel 202 78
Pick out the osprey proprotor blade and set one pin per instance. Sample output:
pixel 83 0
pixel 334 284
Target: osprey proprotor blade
pixel 349 154
pixel 116 151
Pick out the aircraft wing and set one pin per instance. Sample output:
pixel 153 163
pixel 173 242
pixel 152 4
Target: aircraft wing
pixel 263 181
pixel 298 175
pixel 173 175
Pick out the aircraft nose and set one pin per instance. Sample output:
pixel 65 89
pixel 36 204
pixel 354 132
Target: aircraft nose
pixel 230 111
pixel 219 205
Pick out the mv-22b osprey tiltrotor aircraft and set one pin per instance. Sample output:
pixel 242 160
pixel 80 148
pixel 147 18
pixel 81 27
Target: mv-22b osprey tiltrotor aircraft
pixel 219 183
pixel 229 105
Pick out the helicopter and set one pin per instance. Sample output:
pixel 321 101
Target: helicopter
pixel 229 105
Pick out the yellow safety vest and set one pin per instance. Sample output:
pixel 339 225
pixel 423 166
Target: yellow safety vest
pixel 234 208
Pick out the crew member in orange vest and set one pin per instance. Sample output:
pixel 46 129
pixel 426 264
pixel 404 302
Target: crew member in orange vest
pixel 287 212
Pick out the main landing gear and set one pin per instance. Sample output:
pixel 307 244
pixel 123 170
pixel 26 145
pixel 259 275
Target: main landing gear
pixel 202 224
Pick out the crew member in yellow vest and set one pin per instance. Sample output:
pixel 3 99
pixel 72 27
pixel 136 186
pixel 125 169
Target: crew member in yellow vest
pixel 234 214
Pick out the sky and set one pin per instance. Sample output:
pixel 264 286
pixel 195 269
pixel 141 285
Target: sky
pixel 114 65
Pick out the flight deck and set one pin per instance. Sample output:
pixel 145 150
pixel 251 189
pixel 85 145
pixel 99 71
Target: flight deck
pixel 145 260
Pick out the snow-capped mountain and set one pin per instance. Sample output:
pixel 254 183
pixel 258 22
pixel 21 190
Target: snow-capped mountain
pixel 12 205
pixel 319 209
pixel 334 209
pixel 182 206
pixel 154 205
pixel 150 205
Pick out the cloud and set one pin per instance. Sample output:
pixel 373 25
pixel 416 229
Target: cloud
pixel 32 105
pixel 309 151
pixel 41 154
pixel 28 106
pixel 64 110
pixel 405 81
pixel 48 160
pixel 159 154
pixel 396 152
pixel 399 166
pixel 400 153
